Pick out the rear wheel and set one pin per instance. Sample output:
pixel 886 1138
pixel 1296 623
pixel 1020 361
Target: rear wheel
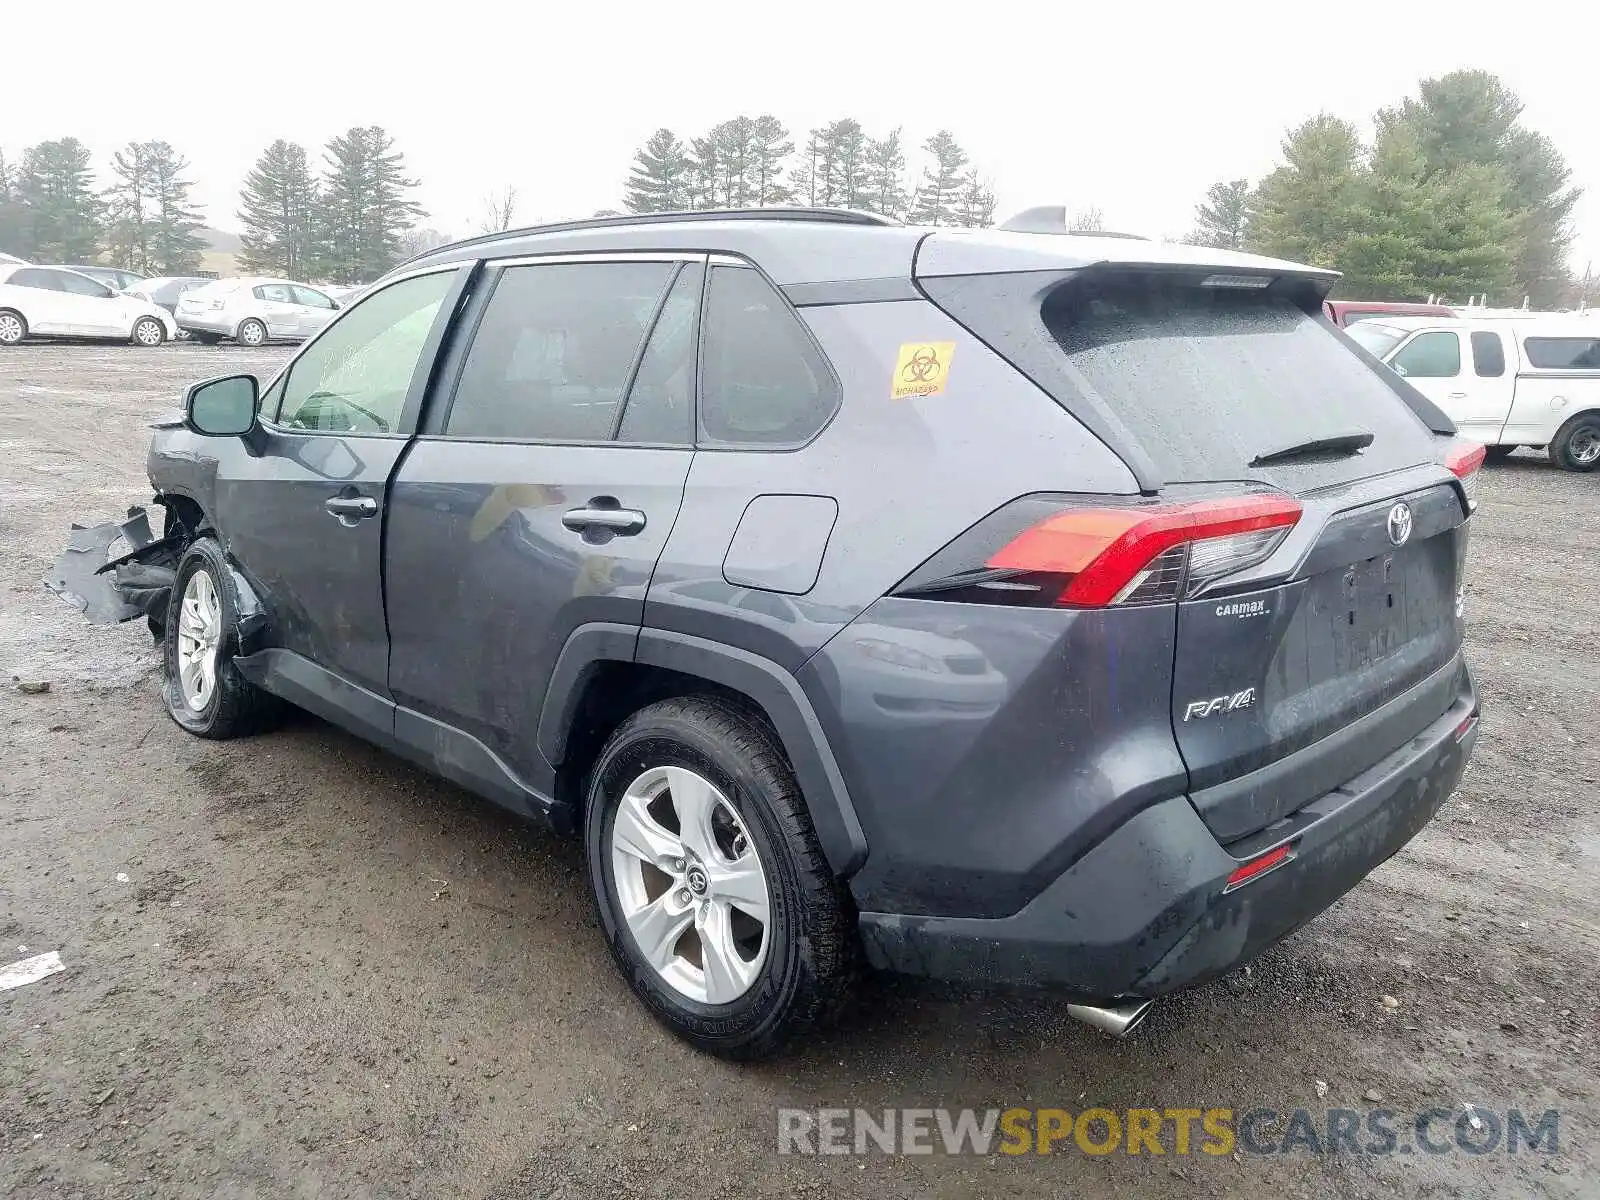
pixel 252 333
pixel 12 327
pixel 1498 453
pixel 713 893
pixel 1577 446
pixel 147 331
pixel 204 691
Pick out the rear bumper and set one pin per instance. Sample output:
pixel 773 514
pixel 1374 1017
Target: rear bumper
pixel 1144 912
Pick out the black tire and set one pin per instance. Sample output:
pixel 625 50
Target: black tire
pixel 1498 453
pixel 204 338
pixel 251 333
pixel 13 327
pixel 236 707
pixel 145 323
pixel 1574 446
pixel 812 956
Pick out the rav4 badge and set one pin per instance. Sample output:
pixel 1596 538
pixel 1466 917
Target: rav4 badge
pixel 1199 709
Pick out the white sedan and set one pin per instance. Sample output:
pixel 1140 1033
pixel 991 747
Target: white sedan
pixel 254 311
pixel 56 302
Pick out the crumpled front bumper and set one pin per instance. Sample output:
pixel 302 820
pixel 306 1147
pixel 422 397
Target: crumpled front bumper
pixel 136 583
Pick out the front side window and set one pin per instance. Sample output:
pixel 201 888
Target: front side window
pixel 763 381
pixel 82 285
pixel 311 298
pixel 356 376
pixel 274 293
pixel 554 351
pixel 1430 356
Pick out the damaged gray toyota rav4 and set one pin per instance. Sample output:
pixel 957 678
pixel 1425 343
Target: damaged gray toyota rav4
pixel 1002 606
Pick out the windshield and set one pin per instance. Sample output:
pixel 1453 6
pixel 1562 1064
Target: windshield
pixel 1376 339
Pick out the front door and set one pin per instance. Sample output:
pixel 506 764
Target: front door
pixel 278 310
pixel 540 497
pixel 303 509
pixel 314 310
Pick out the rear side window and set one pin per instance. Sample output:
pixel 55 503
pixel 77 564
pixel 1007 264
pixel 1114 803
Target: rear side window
pixel 1563 353
pixel 33 277
pixel 555 349
pixel 763 382
pixel 1488 355
pixel 1430 356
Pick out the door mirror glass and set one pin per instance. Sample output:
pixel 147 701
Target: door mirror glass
pixel 223 407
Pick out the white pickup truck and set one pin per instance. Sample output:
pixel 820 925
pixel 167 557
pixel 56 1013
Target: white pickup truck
pixel 1505 381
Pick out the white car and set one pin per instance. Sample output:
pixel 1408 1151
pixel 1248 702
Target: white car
pixel 56 302
pixel 1506 382
pixel 254 312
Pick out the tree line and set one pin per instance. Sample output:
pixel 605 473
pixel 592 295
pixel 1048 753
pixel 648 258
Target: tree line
pixel 1452 197
pixel 751 162
pixel 345 221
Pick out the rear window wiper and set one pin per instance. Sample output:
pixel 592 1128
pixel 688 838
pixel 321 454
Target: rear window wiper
pixel 1334 443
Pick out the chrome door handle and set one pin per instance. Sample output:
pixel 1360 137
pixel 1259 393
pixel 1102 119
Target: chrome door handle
pixel 1455 396
pixel 620 521
pixel 350 509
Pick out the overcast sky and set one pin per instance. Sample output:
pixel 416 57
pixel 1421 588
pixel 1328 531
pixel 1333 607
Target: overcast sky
pixel 1135 108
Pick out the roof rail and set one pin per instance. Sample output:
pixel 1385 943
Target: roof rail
pixel 1052 218
pixel 776 212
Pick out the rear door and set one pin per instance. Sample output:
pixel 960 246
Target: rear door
pixel 303 509
pixel 543 489
pixel 46 304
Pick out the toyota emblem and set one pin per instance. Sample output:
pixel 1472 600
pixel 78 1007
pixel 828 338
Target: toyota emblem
pixel 1400 524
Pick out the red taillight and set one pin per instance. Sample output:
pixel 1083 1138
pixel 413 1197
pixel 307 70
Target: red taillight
pixel 1258 866
pixel 1464 458
pixel 1108 555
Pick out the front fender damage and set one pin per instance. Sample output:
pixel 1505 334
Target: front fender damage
pixel 137 583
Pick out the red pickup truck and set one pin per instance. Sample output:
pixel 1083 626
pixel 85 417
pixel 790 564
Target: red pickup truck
pixel 1348 312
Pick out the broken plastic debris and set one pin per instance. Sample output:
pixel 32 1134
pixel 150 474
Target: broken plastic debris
pixel 30 970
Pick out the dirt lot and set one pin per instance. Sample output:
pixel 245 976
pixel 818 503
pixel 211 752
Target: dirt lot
pixel 298 967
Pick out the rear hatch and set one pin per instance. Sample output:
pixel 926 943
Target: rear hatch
pixel 1326 635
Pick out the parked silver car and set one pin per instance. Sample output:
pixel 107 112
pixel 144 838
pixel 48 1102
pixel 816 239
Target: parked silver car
pixel 254 311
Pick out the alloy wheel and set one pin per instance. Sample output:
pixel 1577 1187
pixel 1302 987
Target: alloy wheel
pixel 10 329
pixel 199 638
pixel 690 885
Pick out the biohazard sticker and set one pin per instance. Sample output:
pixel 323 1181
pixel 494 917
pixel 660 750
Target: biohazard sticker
pixel 922 369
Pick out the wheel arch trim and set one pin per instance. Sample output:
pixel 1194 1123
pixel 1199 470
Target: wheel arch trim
pixel 775 690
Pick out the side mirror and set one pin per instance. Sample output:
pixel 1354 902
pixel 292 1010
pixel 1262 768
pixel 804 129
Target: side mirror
pixel 224 407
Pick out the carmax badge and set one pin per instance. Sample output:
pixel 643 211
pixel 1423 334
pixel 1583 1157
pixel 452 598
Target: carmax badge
pixel 1200 709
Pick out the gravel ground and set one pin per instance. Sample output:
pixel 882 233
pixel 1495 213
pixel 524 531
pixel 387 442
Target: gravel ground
pixel 298 967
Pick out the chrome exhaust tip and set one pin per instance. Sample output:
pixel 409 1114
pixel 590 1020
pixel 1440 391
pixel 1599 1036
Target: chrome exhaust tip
pixel 1119 1020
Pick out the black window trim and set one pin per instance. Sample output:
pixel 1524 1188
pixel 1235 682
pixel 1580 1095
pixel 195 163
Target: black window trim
pixel 421 377
pixel 442 396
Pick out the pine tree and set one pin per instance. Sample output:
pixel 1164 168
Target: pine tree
pixel 659 181
pixel 818 171
pixel 1471 119
pixel 175 241
pixel 733 143
pixel 885 177
pixel 277 206
pixel 975 209
pixel 700 174
pixel 847 164
pixel 770 147
pixel 1305 209
pixel 13 217
pixel 128 230
pixel 56 187
pixel 939 193
pixel 1222 218
pixel 364 205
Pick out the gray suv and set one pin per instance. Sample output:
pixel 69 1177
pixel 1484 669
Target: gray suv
pixel 990 605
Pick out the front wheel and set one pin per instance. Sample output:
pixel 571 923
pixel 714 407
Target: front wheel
pixel 12 327
pixel 252 333
pixel 147 331
pixel 204 691
pixel 1576 447
pixel 713 893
